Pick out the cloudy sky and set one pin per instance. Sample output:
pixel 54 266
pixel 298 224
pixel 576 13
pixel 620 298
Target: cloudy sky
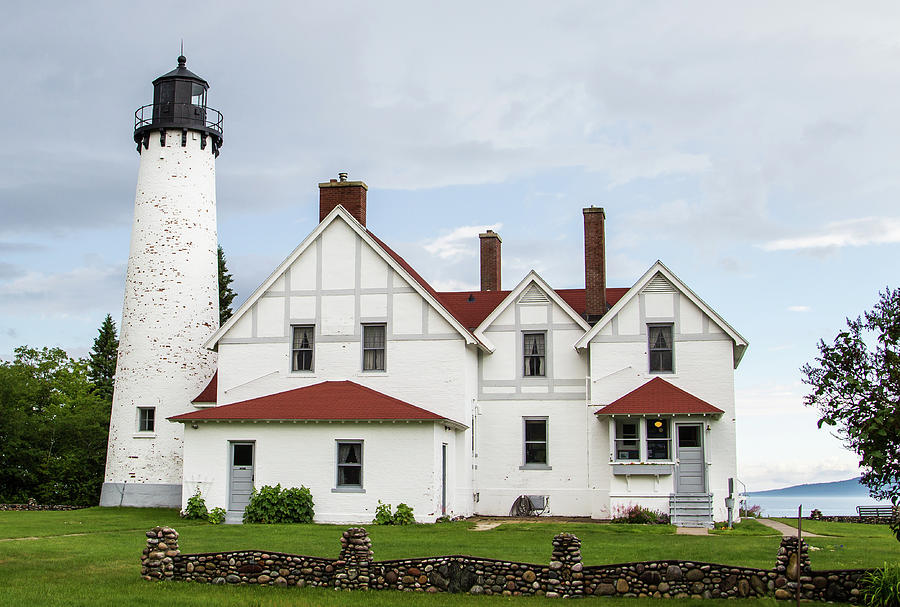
pixel 752 148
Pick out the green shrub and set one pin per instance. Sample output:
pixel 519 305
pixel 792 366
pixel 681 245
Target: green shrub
pixel 216 516
pixel 881 588
pixel 383 514
pixel 404 515
pixel 276 505
pixel 196 507
pixel 638 515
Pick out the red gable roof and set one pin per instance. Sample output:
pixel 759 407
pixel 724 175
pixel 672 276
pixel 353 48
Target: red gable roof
pixel 210 392
pixel 329 400
pixel 657 397
pixel 471 307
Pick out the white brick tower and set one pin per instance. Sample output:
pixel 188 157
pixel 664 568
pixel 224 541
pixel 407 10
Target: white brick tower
pixel 171 292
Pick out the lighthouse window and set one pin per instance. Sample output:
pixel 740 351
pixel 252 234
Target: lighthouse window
pixel 198 95
pixel 146 419
pixel 302 348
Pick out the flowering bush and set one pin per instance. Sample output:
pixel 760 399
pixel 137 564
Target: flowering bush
pixel 638 515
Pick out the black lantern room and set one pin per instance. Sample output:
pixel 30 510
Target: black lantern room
pixel 179 104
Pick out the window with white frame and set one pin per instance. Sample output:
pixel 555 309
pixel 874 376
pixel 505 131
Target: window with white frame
pixel 534 354
pixel 536 453
pixel 302 348
pixel 659 441
pixel 146 419
pixel 349 464
pixel 628 446
pixel 373 347
pixel 660 348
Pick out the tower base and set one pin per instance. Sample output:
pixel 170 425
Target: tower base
pixel 140 495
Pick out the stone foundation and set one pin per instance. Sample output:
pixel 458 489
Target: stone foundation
pixel 565 575
pixel 38 507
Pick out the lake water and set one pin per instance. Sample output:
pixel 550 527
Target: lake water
pixel 773 505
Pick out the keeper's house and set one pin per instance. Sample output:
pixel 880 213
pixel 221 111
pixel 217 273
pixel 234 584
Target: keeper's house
pixel 347 373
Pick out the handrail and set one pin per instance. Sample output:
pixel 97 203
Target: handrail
pixel 209 118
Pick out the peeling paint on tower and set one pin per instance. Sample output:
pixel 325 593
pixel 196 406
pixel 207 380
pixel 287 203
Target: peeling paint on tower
pixel 171 300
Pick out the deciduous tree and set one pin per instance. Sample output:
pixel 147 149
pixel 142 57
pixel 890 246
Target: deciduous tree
pixel 855 385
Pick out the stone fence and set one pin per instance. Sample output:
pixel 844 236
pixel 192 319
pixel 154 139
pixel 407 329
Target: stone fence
pixel 33 506
pixel 565 576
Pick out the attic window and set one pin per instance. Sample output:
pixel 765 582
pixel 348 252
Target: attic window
pixel 302 348
pixel 533 351
pixel 660 348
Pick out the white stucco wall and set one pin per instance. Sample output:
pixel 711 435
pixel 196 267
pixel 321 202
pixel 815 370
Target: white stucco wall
pixel 401 463
pixel 703 366
pixel 428 363
pixel 170 309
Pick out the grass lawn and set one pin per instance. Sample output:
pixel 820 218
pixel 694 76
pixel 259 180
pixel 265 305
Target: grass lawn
pixel 92 557
pixel 848 545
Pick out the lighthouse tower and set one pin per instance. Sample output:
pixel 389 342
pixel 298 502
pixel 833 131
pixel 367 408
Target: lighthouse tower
pixel 171 292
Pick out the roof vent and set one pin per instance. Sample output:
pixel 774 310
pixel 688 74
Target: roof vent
pixel 659 284
pixel 533 295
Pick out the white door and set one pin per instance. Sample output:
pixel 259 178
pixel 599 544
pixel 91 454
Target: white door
pixel 241 482
pixel 690 469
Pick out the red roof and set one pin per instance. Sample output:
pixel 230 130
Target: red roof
pixel 209 393
pixel 329 400
pixel 471 307
pixel 656 397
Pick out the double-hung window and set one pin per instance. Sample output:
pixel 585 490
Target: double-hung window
pixel 349 465
pixel 146 419
pixel 628 446
pixel 659 441
pixel 302 348
pixel 660 348
pixel 536 442
pixel 534 354
pixel 373 347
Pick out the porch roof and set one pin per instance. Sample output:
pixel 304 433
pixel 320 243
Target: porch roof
pixel 659 397
pixel 329 400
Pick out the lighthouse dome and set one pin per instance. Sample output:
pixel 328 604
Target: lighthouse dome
pixel 179 102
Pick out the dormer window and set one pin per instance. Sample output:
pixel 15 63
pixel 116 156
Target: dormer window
pixel 534 359
pixel 660 348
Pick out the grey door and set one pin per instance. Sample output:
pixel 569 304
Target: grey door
pixel 241 482
pixel 690 469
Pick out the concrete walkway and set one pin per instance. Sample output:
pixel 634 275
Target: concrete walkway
pixel 784 530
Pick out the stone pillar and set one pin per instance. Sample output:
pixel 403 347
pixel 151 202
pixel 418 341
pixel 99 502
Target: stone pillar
pixel 158 559
pixel 353 564
pixel 565 578
pixel 786 566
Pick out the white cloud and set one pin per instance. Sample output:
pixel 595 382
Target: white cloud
pixel 798 308
pixel 82 292
pixel 849 233
pixel 459 242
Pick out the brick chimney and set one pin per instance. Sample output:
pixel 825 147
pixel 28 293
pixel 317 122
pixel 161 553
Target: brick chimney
pixel 490 261
pixel 594 264
pixel 350 194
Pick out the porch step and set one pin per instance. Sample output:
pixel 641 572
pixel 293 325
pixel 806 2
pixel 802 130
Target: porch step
pixel 691 510
pixel 234 517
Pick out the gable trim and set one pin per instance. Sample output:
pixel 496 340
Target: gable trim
pixel 339 212
pixel 532 278
pixel 740 343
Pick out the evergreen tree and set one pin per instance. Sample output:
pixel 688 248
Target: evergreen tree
pixel 226 295
pixel 102 365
